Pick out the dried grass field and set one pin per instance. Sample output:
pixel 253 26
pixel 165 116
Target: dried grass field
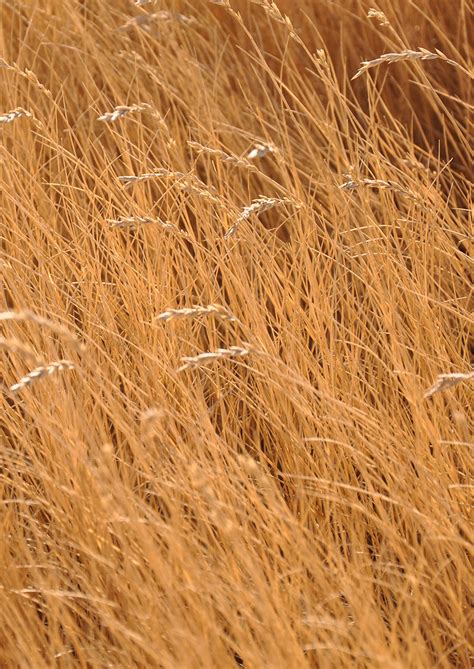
pixel 236 334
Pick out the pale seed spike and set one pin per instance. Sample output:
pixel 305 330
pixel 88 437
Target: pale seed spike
pixel 41 372
pixel 14 114
pixel 192 312
pixel 122 110
pixel 408 54
pixel 190 362
pixel 445 381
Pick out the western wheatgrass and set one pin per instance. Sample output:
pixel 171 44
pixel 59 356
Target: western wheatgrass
pixel 136 221
pixel 408 55
pixel 39 373
pixel 257 207
pixel 8 117
pixel 203 359
pixel 220 312
pixel 122 110
pixel 293 501
pixel 26 315
pixel 445 381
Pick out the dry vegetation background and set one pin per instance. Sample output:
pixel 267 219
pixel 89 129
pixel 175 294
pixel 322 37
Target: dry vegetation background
pixel 215 445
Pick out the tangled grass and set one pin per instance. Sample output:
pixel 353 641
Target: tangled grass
pixel 234 422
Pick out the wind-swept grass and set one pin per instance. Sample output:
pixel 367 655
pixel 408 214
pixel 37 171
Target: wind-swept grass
pixel 236 334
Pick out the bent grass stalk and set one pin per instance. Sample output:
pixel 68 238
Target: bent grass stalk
pixel 379 16
pixel 396 57
pixel 27 74
pixel 222 155
pixel 202 359
pixel 258 206
pixel 381 184
pixel 271 9
pixel 186 182
pixel 260 150
pixel 41 372
pixel 30 316
pixel 121 111
pixel 10 116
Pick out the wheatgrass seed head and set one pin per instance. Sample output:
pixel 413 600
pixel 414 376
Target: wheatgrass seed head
pixel 134 222
pixel 187 182
pixel 15 114
pixel 121 111
pixel 221 155
pixel 203 359
pixel 41 372
pixel 260 150
pixel 408 55
pixel 445 381
pixel 378 16
pixel 354 184
pixel 216 310
pixel 255 208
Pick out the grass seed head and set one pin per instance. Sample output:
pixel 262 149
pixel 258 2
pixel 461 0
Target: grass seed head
pixel 445 381
pixel 40 372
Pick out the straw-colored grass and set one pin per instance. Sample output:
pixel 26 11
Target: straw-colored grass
pixel 274 200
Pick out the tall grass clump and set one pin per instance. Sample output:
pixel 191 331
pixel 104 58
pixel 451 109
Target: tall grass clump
pixel 236 334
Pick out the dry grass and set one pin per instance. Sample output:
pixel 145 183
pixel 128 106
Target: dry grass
pixel 40 372
pixel 304 500
pixel 192 312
